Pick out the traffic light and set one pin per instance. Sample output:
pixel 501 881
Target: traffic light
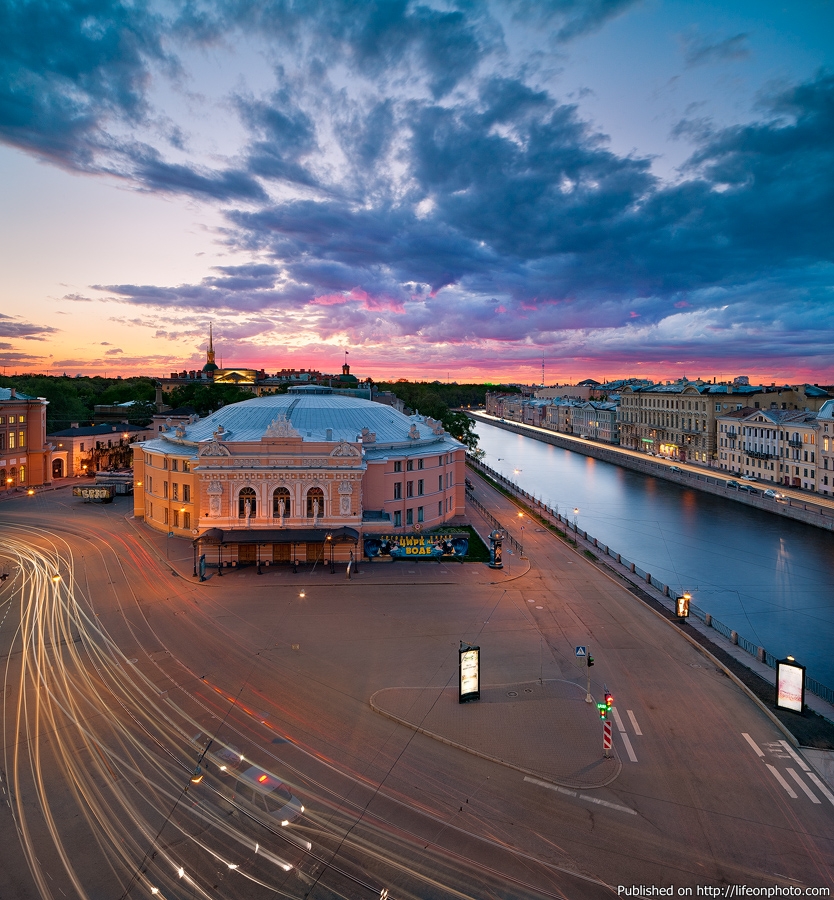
pixel 603 710
pixel 590 660
pixel 609 700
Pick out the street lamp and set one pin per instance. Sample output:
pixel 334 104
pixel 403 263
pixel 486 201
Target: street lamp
pixel 329 540
pixel 575 516
pixel 521 544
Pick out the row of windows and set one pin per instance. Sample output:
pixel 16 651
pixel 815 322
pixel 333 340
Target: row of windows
pixel 12 440
pixel 409 463
pixel 180 518
pixel 15 474
pixel 409 486
pixel 409 513
pixel 247 503
pixel 656 403
pixel 177 465
pixel 19 420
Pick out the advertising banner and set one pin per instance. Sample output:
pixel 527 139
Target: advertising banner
pixel 469 671
pixel 416 546
pixel 93 492
pixel 790 685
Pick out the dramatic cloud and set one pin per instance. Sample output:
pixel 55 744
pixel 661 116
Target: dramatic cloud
pixel 400 172
pixel 13 328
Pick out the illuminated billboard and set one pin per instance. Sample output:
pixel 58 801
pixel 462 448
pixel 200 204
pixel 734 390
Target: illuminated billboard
pixel 416 546
pixel 469 673
pixel 790 685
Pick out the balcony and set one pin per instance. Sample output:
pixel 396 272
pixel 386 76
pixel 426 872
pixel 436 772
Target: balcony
pixel 794 442
pixel 758 454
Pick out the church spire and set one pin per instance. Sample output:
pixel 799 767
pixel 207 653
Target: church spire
pixel 210 365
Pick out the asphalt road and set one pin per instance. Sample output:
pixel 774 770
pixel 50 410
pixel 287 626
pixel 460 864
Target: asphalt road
pixel 109 670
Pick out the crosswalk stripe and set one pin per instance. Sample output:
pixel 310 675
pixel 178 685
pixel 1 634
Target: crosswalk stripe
pixel 629 749
pixel 753 744
pixel 617 718
pixel 822 788
pixel 785 785
pixel 795 775
pixel 634 724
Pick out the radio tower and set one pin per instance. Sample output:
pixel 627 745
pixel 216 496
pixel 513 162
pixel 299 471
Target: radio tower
pixel 542 371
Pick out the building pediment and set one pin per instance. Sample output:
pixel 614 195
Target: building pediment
pixel 344 448
pixel 214 448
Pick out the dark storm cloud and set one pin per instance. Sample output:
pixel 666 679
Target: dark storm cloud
pixel 66 66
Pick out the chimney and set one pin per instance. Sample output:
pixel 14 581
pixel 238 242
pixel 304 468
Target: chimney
pixel 12 394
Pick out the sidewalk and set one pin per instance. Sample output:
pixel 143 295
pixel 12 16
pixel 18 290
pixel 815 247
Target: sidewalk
pixel 755 677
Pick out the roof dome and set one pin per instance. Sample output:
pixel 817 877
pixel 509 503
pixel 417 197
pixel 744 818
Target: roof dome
pixel 314 416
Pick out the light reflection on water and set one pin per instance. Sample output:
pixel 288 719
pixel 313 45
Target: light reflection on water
pixel 767 577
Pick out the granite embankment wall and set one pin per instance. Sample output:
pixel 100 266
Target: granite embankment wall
pixel 711 482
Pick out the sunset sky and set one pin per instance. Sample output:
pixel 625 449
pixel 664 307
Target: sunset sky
pixel 445 189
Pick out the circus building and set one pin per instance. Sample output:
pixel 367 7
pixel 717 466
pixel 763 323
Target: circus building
pixel 301 476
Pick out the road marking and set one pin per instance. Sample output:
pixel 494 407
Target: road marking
pixel 802 764
pixel 569 793
pixel 752 743
pixel 607 804
pixel 823 789
pixel 617 719
pixel 629 749
pixel 634 724
pixel 782 781
pixel 795 775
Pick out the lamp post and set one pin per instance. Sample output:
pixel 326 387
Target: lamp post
pixel 521 544
pixel 575 516
pixel 329 540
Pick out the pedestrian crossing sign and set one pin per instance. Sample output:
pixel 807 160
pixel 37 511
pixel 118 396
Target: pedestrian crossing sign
pixel 581 652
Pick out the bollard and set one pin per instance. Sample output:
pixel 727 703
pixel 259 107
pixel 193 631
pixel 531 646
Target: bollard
pixel 666 589
pixel 761 655
pixel 633 567
pixel 734 637
pixel 648 578
pixel 708 620
pixel 618 558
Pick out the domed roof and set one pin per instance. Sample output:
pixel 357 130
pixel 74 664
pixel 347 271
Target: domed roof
pixel 315 416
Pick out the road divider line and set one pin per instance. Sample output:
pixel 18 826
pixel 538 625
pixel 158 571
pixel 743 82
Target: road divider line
pixel 629 749
pixel 617 719
pixel 795 775
pixel 785 785
pixel 753 744
pixel 822 788
pixel 634 724
pixel 586 797
pixel 800 761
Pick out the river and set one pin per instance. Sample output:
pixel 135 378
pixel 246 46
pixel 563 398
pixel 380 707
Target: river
pixel 767 577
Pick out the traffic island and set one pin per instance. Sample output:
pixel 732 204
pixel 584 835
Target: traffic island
pixel 541 728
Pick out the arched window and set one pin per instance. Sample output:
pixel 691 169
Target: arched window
pixel 246 503
pixel 12 477
pixel 279 494
pixel 313 495
pixel 3 484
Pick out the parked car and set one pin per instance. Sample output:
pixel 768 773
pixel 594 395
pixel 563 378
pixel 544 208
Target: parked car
pixel 676 469
pixel 749 489
pixel 773 495
pixel 733 484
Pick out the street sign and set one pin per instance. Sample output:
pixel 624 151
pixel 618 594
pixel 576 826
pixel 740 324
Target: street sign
pixel 581 652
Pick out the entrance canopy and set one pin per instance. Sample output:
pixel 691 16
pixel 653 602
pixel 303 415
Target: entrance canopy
pixel 277 535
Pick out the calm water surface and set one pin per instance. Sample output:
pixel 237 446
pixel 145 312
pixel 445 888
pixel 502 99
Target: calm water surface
pixel 767 577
